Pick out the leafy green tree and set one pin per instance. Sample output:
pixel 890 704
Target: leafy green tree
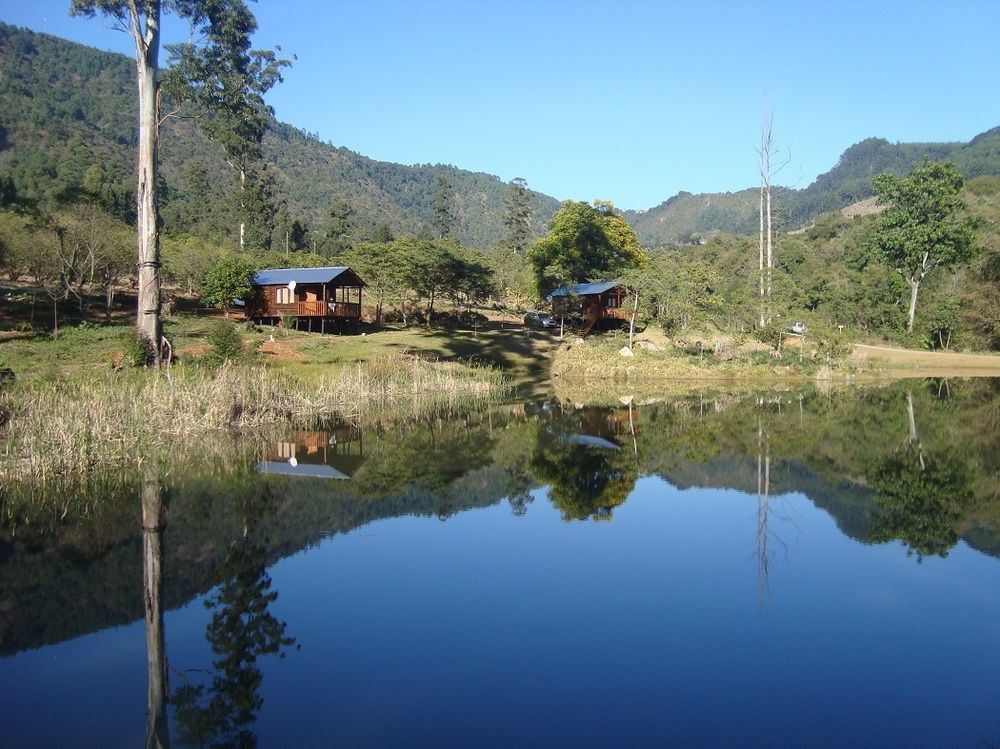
pixel 442 210
pixel 385 268
pixel 187 260
pixel 922 226
pixel 257 205
pixel 230 278
pixel 224 75
pixel 517 218
pixel 339 226
pixel 585 243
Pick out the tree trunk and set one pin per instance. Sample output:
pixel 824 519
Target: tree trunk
pixel 243 205
pixel 760 255
pixel 631 323
pixel 109 300
pixel 914 289
pixel 147 207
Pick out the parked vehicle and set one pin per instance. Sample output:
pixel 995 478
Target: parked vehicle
pixel 536 319
pixel 798 327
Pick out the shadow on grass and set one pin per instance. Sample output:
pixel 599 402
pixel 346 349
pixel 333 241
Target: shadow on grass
pixel 524 352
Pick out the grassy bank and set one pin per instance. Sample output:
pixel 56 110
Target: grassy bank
pixel 655 358
pixel 74 425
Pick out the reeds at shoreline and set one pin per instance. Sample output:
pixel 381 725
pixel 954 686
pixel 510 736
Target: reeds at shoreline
pixel 73 427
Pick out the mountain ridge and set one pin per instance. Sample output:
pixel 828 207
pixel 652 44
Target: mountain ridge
pixel 60 95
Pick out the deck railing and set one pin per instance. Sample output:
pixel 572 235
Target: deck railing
pixel 319 309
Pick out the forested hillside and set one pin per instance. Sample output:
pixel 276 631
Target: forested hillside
pixel 688 217
pixel 68 109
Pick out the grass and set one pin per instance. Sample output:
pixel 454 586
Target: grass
pixel 75 426
pixel 598 358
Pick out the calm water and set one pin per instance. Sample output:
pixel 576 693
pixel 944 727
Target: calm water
pixel 796 569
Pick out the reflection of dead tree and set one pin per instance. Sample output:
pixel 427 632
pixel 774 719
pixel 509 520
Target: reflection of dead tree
pixel 152 568
pixel 763 554
pixel 765 537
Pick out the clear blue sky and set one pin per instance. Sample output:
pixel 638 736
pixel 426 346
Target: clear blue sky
pixel 628 101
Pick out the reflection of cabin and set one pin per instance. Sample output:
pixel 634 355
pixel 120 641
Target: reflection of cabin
pixel 333 454
pixel 326 294
pixel 597 301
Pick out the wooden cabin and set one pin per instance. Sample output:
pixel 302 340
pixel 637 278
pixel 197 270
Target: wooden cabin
pixel 596 301
pixel 332 454
pixel 331 294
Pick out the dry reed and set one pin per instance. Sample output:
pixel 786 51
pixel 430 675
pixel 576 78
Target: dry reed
pixel 115 420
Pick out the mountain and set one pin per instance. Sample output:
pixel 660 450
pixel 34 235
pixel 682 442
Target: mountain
pixel 67 106
pixel 686 216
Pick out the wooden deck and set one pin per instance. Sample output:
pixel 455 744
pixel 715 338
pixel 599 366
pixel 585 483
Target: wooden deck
pixel 319 309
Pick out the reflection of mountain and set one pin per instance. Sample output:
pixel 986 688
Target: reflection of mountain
pixel 89 576
pixel 847 502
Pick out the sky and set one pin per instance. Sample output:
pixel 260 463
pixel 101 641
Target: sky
pixel 628 101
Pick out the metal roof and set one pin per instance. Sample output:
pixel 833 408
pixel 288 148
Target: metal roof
pixel 308 470
pixel 590 440
pixel 283 276
pixel 584 289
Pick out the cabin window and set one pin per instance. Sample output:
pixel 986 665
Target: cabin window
pixel 612 301
pixel 283 295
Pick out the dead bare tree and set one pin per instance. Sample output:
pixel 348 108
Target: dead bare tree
pixel 770 161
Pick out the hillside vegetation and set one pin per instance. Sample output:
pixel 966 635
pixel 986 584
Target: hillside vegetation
pixel 67 107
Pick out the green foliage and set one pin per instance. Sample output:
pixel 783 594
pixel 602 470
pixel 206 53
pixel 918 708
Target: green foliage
pixel 137 348
pixel 517 218
pixel 227 344
pixel 230 278
pixel 585 243
pixel 921 498
pixel 923 226
pixel 442 215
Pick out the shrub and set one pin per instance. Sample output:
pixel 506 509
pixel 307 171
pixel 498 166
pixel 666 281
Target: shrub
pixel 137 348
pixel 227 344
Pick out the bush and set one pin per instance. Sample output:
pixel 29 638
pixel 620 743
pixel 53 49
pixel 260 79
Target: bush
pixel 7 377
pixel 137 348
pixel 227 344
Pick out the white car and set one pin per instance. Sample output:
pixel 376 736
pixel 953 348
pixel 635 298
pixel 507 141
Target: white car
pixel 798 327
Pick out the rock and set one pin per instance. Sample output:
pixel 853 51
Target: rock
pixel 579 342
pixel 626 352
pixel 648 346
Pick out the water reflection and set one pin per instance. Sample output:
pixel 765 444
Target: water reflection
pixel 921 495
pixel 579 457
pixel 914 464
pixel 222 710
pixel 334 453
pixel 153 520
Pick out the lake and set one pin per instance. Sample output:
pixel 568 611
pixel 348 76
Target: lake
pixel 802 568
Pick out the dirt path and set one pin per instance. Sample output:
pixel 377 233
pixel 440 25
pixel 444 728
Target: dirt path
pixel 930 362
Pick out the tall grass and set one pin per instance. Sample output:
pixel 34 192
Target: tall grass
pixel 72 427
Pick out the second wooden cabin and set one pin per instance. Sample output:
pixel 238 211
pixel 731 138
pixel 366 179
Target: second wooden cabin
pixel 597 301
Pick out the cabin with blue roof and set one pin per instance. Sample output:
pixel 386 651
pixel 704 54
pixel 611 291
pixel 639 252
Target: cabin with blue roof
pixel 331 294
pixel 597 301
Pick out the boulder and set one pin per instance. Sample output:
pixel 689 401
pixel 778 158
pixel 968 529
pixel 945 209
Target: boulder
pixel 626 352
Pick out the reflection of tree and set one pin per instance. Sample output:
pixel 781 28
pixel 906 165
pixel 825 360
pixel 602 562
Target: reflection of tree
pixel 241 630
pixel 920 496
pixel 157 734
pixel 584 481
